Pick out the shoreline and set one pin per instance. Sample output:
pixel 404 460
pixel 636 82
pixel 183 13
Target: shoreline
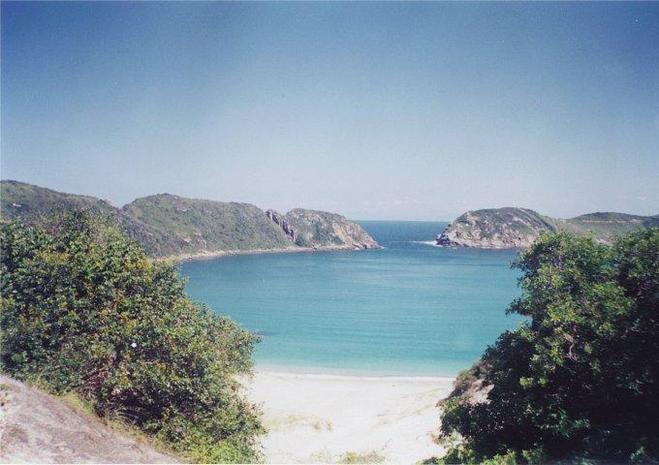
pixel 281 372
pixel 330 373
pixel 210 255
pixel 320 418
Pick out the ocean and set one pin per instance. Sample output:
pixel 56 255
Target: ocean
pixel 409 309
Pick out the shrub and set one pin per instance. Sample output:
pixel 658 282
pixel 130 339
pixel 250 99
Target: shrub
pixel 351 457
pixel 579 379
pixel 85 311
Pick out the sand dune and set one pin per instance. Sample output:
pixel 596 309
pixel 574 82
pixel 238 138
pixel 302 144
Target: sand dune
pixel 319 418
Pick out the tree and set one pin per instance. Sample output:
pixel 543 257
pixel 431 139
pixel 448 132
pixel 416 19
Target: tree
pixel 84 310
pixel 579 378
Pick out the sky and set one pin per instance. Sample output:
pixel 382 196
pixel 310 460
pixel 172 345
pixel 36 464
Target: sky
pixel 408 111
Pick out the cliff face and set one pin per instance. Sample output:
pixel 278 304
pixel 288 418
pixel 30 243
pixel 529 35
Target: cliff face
pixel 506 228
pixel 281 221
pixel 318 229
pixel 168 225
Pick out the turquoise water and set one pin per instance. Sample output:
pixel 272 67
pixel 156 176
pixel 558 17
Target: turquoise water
pixel 408 309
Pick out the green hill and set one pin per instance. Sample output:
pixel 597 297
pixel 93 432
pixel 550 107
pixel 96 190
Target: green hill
pixel 192 225
pixel 37 206
pixel 606 225
pixel 510 227
pixel 171 226
pixel 33 204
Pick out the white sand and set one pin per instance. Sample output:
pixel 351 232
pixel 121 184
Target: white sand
pixel 318 418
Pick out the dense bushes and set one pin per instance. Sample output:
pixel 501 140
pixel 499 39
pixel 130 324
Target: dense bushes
pixel 579 380
pixel 84 310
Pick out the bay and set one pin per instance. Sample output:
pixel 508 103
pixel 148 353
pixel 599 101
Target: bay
pixel 410 308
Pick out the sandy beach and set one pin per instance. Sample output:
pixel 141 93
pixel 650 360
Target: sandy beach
pixel 313 418
pixel 211 255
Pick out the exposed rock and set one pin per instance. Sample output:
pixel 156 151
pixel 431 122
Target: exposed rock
pixel 39 428
pixel 506 228
pixel 318 229
pixel 281 221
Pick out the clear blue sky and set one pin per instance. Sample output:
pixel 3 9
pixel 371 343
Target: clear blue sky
pixel 374 110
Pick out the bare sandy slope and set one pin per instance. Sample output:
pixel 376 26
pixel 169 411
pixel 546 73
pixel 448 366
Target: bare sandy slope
pixel 318 418
pixel 38 428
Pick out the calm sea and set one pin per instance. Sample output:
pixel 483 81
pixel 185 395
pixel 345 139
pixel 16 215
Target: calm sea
pixel 408 309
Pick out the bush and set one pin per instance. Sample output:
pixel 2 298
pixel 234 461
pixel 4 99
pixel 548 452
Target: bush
pixel 356 457
pixel 579 379
pixel 84 310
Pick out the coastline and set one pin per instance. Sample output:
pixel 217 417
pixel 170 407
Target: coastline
pixel 349 373
pixel 295 373
pixel 210 255
pixel 319 418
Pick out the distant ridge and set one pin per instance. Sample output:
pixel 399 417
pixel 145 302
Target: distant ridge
pixel 511 227
pixel 171 226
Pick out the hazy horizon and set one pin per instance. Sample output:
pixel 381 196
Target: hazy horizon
pixel 378 111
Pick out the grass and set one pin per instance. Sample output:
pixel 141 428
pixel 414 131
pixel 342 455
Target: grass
pixel 351 457
pixel 81 405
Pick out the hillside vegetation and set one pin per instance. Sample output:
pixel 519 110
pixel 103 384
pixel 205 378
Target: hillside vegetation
pixel 37 206
pixel 193 225
pixel 172 226
pixel 509 227
pixel 579 380
pixel 84 311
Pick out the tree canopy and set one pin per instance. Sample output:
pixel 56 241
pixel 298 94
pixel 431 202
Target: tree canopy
pixel 578 380
pixel 84 310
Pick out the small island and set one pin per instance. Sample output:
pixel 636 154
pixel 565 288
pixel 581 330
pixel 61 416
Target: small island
pixel 511 228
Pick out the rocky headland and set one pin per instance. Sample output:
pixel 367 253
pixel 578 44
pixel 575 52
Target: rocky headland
pixel 170 226
pixel 318 229
pixel 510 227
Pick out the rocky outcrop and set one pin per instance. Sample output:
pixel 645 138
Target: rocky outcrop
pixel 322 230
pixel 36 427
pixel 507 228
pixel 499 228
pixel 280 220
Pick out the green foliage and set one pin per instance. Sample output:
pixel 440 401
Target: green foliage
pixel 606 226
pixel 32 204
pixel 579 379
pixel 351 457
pixel 194 225
pixel 85 311
pixel 171 226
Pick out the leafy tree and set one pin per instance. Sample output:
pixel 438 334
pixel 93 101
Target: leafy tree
pixel 579 379
pixel 84 310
